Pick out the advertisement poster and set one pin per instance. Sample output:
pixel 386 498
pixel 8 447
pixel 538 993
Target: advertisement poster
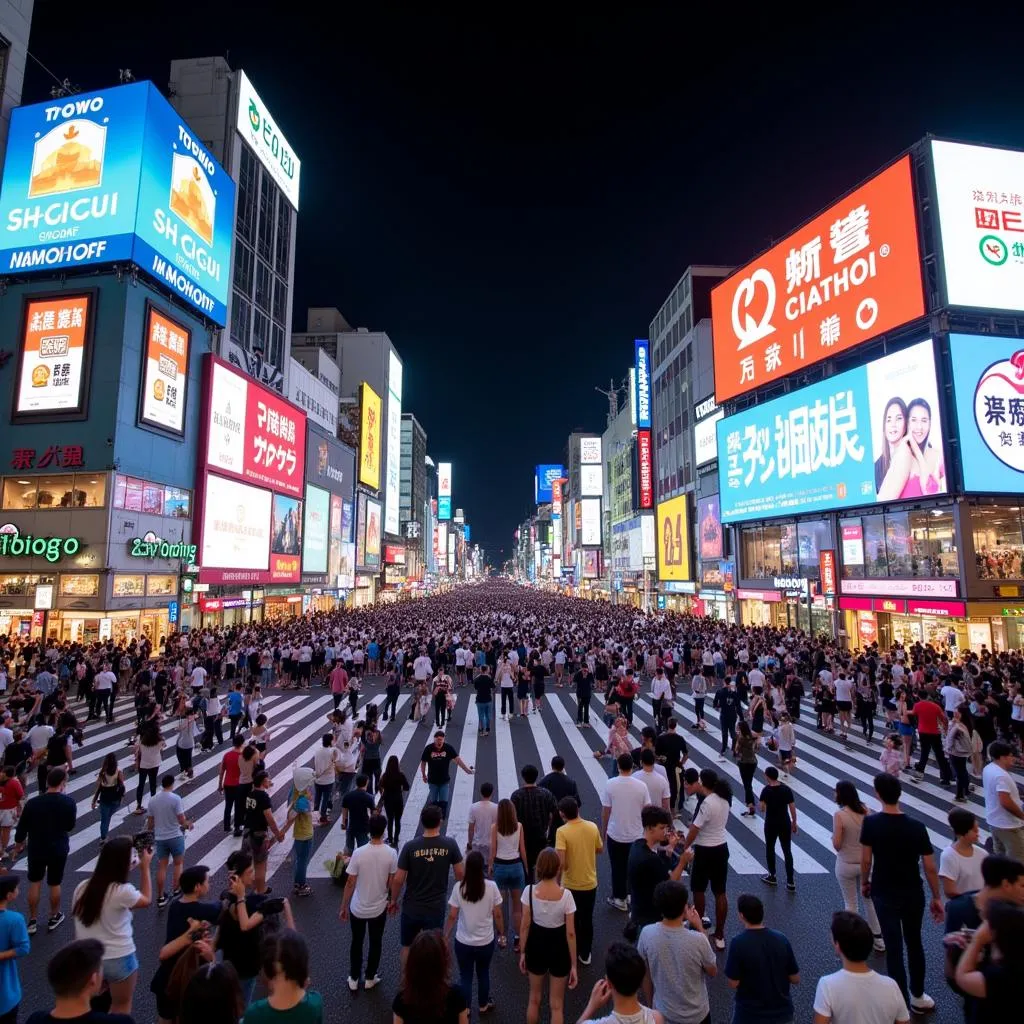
pixel 591 481
pixel 314 547
pixel 330 464
pixel 346 520
pixel 848 275
pixel 373 532
pixel 164 372
pixel 645 469
pixel 642 381
pixel 335 539
pixel 590 451
pixel 347 573
pixel 544 476
pixel 590 522
pixel 705 439
pixel 709 528
pixel 981 221
pixel 394 452
pixel 361 531
pixel 236 526
pixel 51 372
pixel 286 527
pixel 370 432
pixel 673 537
pixel 870 435
pixel 261 132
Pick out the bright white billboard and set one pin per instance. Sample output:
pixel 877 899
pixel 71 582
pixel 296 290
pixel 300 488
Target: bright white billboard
pixel 705 439
pixel 394 455
pixel 314 536
pixel 226 445
pixel 590 522
pixel 591 482
pixel 590 450
pixel 260 131
pixel 236 525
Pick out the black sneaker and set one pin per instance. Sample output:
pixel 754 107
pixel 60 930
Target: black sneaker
pixel 162 900
pixel 791 886
pixel 33 926
pixel 55 921
pixel 769 880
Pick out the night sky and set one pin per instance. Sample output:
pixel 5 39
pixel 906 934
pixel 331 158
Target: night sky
pixel 512 197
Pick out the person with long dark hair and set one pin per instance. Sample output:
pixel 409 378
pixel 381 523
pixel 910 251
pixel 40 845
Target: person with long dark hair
pixel 894 430
pixel 285 965
pixel 427 996
pixel 475 903
pixel 108 793
pixel 392 788
pixel 745 749
pixel 213 993
pixel 102 906
pixel 148 755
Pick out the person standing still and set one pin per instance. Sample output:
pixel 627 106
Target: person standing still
pixel 1003 813
pixel 484 686
pixel 535 808
pixel 622 802
pixel 892 845
pixel 436 773
pixel 778 805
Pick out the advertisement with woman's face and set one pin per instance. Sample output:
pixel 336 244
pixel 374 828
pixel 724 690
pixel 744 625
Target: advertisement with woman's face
pixel 906 425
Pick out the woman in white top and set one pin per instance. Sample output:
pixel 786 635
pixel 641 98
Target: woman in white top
pixel 508 855
pixel 846 823
pixel 475 903
pixel 102 907
pixel 148 756
pixel 548 938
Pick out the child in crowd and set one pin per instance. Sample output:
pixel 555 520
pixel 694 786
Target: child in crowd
pixel 891 758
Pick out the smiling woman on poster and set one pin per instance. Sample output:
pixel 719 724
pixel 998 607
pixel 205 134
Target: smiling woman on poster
pixel 894 431
pixel 917 467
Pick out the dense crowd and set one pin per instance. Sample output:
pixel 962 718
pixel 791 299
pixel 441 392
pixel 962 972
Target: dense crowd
pixel 662 823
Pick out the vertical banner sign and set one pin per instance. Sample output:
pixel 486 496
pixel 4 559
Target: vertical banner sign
pixel 361 531
pixel 444 491
pixel 674 539
pixel 392 465
pixel 51 376
pixel 827 564
pixel 369 436
pixel 645 471
pixel 642 367
pixel 164 372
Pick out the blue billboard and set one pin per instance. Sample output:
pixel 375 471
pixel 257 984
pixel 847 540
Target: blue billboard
pixel 870 435
pixel 465 532
pixel 989 388
pixel 444 507
pixel 642 398
pixel 117 175
pixel 543 478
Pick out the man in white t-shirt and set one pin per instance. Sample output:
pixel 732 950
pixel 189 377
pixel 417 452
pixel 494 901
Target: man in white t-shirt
pixel 656 781
pixel 952 698
pixel 326 762
pixel 1003 813
pixel 103 694
pixel 365 901
pixel 422 667
pixel 756 678
pixel 707 836
pixel 623 799
pixel 197 680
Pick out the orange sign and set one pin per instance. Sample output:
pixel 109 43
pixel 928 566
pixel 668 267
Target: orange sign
pixel 164 372
pixel 52 374
pixel 848 275
pixel 827 565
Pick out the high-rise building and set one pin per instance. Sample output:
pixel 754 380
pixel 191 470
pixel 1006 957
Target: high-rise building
pixel 412 487
pixel 15 23
pixel 232 120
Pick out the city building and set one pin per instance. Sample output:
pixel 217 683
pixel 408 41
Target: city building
pixel 15 26
pixel 413 494
pixel 234 123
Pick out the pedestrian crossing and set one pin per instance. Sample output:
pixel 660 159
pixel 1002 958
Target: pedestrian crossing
pixel 297 721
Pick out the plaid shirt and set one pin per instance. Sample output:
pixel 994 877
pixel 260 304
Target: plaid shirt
pixel 534 806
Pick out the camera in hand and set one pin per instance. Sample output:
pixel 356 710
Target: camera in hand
pixel 143 840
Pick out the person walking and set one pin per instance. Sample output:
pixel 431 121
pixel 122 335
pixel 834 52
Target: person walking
pixel 559 784
pixel 356 808
pixel 475 904
pixel 435 765
pixel 109 793
pixel 507 862
pixel 583 679
pixel 778 805
pixel 959 747
pixel 846 828
pixel 577 843
pixel 168 824
pixel 325 774
pixel 727 704
pixel 393 787
pixel 228 782
pixel 426 995
pixel 148 757
pixel 892 847
pixel 622 802
pixel 14 943
pixel 536 809
pixel 709 839
pixel 370 872
pixel 484 686
pixel 652 860
pixel 1003 813
pixel 672 752
pixel 745 749
pixel 931 722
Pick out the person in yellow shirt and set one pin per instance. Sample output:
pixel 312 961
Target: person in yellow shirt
pixel 578 842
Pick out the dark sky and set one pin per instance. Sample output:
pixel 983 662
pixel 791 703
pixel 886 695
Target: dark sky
pixel 511 197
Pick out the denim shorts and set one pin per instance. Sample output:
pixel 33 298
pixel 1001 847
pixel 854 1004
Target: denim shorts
pixel 120 968
pixel 411 926
pixel 167 849
pixel 510 876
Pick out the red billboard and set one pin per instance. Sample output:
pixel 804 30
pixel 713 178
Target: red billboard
pixel 827 565
pixel 646 471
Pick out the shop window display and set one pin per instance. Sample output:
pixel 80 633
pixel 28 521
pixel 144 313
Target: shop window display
pixel 135 495
pixel 129 586
pixel 15 584
pixel 85 585
pixel 161 586
pixel 69 490
pixel 918 544
pixel 998 543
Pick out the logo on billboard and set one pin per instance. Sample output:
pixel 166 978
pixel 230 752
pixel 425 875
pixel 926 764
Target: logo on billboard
pixel 68 158
pixel 192 197
pixel 999 409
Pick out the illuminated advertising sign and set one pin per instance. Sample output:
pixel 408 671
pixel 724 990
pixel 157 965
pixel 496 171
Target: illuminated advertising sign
pixel 394 555
pixel 285 539
pixel 544 477
pixel 394 453
pixel 848 275
pixel 444 508
pixel 236 530
pixel 556 497
pixel 709 528
pixel 590 451
pixel 335 538
pixel 441 551
pixel 370 432
pixel 590 522
pixel 260 132
pixel 53 359
pixel 989 385
pixel 315 534
pixel 329 463
pixel 673 537
pixel 705 439
pixel 645 469
pixel 116 175
pixel 164 387
pixel 253 433
pixel 451 553
pixel 853 544
pixel 870 435
pixel 347 576
pixel 591 482
pixel 981 222
pixel 361 531
pixel 373 532
pixel 642 373
pixel 827 567
pixel 444 480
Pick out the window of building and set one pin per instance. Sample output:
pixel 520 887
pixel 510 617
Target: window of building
pixel 18 584
pixel 280 310
pixel 241 311
pixel 129 585
pixel 812 539
pixel 244 258
pixel 276 344
pixel 282 245
pixel 998 543
pixel 177 503
pixel 263 294
pixel 85 585
pixel 900 544
pixel 135 495
pixel 261 333
pixel 19 494
pixel 265 227
pixel 161 585
pixel 248 177
pixel 68 490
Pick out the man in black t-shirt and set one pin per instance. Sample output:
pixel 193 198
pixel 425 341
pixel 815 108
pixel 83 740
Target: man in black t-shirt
pixel 434 767
pixel 584 683
pixel 356 808
pixel 259 820
pixel 484 686
pixel 779 809
pixel 649 863
pixel 75 973
pixel 671 751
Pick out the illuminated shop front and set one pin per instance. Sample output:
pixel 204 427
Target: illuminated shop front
pixel 905 621
pixel 679 596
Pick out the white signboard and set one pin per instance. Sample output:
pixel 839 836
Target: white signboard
pixel 261 133
pixel 444 479
pixel 313 396
pixel 590 450
pixel 236 525
pixel 705 439
pixel 590 482
pixel 590 522
pixel 392 469
pixel 647 546
pixel 225 448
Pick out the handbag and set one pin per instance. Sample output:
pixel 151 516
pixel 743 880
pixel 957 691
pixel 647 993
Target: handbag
pixel 119 789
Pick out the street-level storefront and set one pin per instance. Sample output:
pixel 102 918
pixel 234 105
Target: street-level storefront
pixel 679 596
pixel 905 621
pixel 232 608
pixel 790 604
pixel 714 603
pixel 996 625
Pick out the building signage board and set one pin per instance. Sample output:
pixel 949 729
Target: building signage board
pixel 980 200
pixel 14 544
pixel 544 476
pixel 702 410
pixel 705 438
pixel 235 531
pixel 312 396
pixel 645 469
pixel 928 588
pixel 164 390
pixel 842 442
pixel 590 522
pixel 394 452
pixel 444 491
pixel 673 537
pixel 591 482
pixel 373 533
pixel 329 464
pixel 370 435
pixel 590 451
pixel 264 138
pixel 709 528
pixel 827 567
pixel 642 376
pixel 848 275
pixel 315 532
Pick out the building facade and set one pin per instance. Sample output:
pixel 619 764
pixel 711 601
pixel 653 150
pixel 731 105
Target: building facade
pixel 15 27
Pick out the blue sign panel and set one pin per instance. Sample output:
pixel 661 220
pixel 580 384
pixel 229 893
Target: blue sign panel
pixel 465 532
pixel 866 436
pixel 117 175
pixel 444 507
pixel 989 387
pixel 543 479
pixel 642 397
pixel 172 612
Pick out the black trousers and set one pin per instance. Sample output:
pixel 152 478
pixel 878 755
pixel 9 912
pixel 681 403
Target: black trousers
pixel 146 773
pixel 728 731
pixel 231 802
pixel 440 710
pixel 867 722
pixel 394 817
pixel 583 709
pixel 585 899
pixel 390 701
pixel 235 721
pixel 618 855
pixel 784 834
pixel 672 771
pixel 747 775
pixel 929 742
pixel 360 926
pixel 900 921
pixel 508 700
pixel 963 781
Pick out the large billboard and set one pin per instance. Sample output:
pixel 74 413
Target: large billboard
pixel 591 481
pixel 164 390
pixel 642 382
pixel 848 275
pixel 392 467
pixel 236 527
pixel 373 533
pixel 444 492
pixel 869 435
pixel 260 131
pixel 330 464
pixel 116 175
pixel 590 451
pixel 315 534
pixel 989 385
pixel 673 538
pixel 543 477
pixel 252 432
pixel 369 436
pixel 705 437
pixel 644 470
pixel 981 222
pixel 590 522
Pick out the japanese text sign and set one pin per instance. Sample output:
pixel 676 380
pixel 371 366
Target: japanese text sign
pixel 673 524
pixel 51 375
pixel 848 275
pixel 544 476
pixel 870 435
pixel 164 372
pixel 642 366
pixel 827 566
pixel 645 469
pixel 980 193
pixel 370 434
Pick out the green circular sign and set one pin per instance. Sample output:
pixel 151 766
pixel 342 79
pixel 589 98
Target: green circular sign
pixel 991 246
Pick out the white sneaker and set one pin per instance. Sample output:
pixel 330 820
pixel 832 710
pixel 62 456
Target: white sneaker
pixel 371 982
pixel 353 984
pixel 617 904
pixel 879 944
pixel 922 1003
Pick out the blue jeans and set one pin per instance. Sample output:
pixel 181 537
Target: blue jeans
pixel 106 813
pixel 301 852
pixel 484 713
pixel 353 839
pixel 265 674
pixel 438 795
pixel 478 959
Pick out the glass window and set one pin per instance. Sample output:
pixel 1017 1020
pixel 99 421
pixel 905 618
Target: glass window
pixel 240 316
pixel 90 490
pixel 243 267
pixel 752 543
pixel 280 310
pixel 248 182
pixel 133 494
pixel 264 286
pixel 874 545
pixel 129 586
pixel 161 586
pixel 282 246
pixel 852 570
pixel 812 538
pixel 19 493
pixel 177 502
pixel 897 543
pixel 79 586
pixel 265 228
pixel 15 584
pixel 933 543
pixel 153 499
pixel 998 543
pixel 260 333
